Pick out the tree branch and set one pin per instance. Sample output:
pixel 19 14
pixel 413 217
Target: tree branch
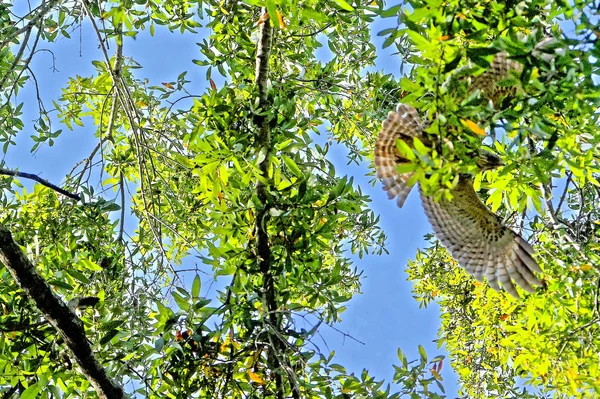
pixel 9 392
pixel 40 13
pixel 262 215
pixel 264 142
pixel 43 182
pixel 58 314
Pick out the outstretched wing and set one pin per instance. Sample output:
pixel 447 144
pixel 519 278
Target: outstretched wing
pixel 402 124
pixel 479 241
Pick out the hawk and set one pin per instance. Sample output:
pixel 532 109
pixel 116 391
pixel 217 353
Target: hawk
pixel 474 236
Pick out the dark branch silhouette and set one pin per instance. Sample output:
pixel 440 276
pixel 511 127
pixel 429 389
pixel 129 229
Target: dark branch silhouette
pixel 43 182
pixel 58 314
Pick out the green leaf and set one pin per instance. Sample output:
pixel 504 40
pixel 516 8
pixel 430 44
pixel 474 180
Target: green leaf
pixel 111 324
pixel 391 12
pixel 196 287
pixel 423 354
pixel 344 5
pixel 388 42
pixel 406 167
pixel 31 392
pixel 181 302
pixel 420 148
pixel 480 61
pixel 272 10
pixel 163 310
pixel 452 64
pixel 480 51
pixel 61 284
pixel 110 206
pixel 386 32
pixel 289 162
pixel 201 302
pixel 308 14
pixel 159 344
pixel 108 336
pixel 405 150
pixel 90 265
pixel 77 275
pixel 419 40
pixel 495 200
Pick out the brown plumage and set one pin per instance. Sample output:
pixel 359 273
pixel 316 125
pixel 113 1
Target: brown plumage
pixel 475 236
pixel 501 68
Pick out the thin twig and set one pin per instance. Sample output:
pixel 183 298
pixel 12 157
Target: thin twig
pixel 132 114
pixel 312 33
pixel 41 12
pixel 16 60
pixel 122 222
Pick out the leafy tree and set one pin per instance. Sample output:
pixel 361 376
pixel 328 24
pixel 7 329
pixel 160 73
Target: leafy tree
pixel 546 345
pixel 232 178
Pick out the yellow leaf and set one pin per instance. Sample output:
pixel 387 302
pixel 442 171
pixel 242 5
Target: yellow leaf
pixel 281 21
pixel 256 378
pixel 168 85
pixel 225 346
pixel 474 127
pixel 586 267
pixel 436 375
pixel 572 376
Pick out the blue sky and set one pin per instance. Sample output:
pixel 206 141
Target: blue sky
pixel 384 316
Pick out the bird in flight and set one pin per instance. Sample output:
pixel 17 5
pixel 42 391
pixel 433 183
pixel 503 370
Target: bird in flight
pixel 474 236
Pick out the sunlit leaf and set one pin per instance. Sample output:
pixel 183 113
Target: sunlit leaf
pixel 256 378
pixel 474 127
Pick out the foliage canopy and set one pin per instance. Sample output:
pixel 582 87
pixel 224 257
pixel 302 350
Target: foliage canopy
pixel 232 181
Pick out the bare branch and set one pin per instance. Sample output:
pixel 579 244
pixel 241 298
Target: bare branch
pixel 122 222
pixel 43 182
